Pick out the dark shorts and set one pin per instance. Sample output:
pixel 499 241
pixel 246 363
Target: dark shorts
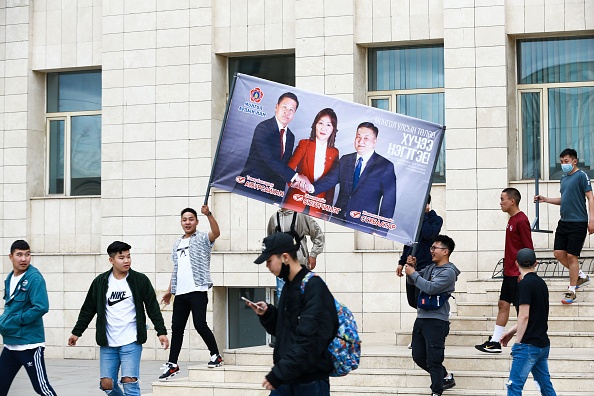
pixel 570 237
pixel 509 289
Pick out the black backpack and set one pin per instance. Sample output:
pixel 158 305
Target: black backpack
pixel 298 238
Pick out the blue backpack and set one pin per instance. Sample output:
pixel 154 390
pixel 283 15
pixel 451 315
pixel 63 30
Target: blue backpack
pixel 345 347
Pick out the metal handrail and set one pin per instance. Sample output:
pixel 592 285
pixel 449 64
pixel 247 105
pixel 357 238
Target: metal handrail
pixel 550 267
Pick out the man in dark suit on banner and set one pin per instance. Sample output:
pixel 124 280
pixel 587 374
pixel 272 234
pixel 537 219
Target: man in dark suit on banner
pixel 266 174
pixel 367 182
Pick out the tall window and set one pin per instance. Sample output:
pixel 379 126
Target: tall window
pixel 74 133
pixel 409 80
pixel 556 103
pixel 244 330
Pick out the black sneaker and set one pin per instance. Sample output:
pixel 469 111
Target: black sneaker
pixel 435 394
pixel 170 370
pixel 489 347
pixel 215 361
pixel 449 381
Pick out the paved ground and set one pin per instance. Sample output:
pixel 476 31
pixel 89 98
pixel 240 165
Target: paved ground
pixel 71 377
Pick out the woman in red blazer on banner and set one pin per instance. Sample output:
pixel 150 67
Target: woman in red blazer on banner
pixel 313 158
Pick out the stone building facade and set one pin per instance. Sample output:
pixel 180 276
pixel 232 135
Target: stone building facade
pixel 164 81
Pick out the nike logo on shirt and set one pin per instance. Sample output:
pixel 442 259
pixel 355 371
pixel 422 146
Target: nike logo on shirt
pixel 114 302
pixel 117 297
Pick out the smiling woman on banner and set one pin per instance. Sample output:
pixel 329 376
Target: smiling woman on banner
pixel 313 158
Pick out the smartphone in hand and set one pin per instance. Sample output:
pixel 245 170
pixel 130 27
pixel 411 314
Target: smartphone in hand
pixel 251 302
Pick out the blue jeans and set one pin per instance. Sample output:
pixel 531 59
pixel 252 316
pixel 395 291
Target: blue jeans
pixel 126 356
pixel 315 388
pixel 529 358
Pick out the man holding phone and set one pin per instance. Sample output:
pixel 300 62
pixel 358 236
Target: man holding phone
pixel 303 323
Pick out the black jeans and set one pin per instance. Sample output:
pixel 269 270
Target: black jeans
pixel 428 345
pixel 183 304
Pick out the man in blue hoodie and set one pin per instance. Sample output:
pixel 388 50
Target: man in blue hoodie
pixel 436 282
pixel 21 324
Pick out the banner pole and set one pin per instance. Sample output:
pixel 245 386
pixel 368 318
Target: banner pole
pixel 216 156
pixel 416 241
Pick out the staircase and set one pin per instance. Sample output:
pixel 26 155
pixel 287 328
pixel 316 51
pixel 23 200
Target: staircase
pixel 387 367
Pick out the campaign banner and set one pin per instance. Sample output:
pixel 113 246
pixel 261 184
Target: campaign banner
pixel 362 167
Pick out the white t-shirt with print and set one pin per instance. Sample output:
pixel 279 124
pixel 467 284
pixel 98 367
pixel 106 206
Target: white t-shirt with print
pixel 120 313
pixel 185 277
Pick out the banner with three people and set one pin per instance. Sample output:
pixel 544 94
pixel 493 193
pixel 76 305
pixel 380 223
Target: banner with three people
pixel 358 166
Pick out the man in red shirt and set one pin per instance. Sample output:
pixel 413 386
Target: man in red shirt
pixel 517 236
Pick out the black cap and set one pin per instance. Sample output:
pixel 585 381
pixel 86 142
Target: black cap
pixel 277 243
pixel 526 257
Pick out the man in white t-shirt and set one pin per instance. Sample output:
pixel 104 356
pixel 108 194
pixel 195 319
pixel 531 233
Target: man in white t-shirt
pixel 190 281
pixel 21 324
pixel 119 298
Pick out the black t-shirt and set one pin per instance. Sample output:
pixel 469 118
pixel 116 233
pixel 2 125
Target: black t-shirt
pixel 533 290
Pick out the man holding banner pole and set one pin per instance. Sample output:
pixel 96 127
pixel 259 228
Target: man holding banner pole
pixel 270 151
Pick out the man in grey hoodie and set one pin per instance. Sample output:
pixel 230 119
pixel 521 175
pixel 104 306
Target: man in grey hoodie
pixel 436 282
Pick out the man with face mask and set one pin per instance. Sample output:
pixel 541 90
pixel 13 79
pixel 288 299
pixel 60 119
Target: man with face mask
pixel 303 323
pixel 575 221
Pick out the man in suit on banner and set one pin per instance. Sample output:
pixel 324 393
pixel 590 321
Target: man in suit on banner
pixel 367 181
pixel 270 151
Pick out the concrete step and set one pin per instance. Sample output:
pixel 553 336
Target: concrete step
pixel 491 296
pixel 461 358
pixel 179 387
pixel 388 370
pixel 393 378
pixel 458 358
pixel 481 323
pixel 579 309
pixel 492 287
pixel 558 339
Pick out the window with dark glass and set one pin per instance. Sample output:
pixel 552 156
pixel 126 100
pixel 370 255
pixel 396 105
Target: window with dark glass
pixel 556 103
pixel 74 133
pixel 409 80
pixel 277 68
pixel 244 329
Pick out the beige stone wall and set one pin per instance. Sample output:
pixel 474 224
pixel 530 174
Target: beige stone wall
pixel 164 68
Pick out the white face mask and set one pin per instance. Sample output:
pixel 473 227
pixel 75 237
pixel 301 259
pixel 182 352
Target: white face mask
pixel 566 168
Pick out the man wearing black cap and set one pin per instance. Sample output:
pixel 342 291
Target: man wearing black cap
pixel 303 324
pixel 530 353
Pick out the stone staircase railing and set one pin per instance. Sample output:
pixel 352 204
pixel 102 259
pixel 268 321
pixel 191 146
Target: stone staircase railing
pixel 549 267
